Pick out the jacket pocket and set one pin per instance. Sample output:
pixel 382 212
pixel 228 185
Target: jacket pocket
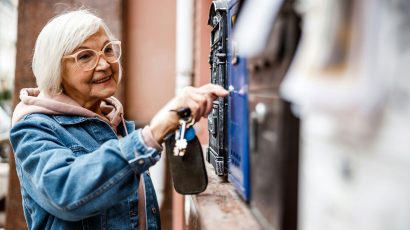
pixel 94 222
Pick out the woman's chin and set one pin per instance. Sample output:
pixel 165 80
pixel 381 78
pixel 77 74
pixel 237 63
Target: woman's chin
pixel 105 91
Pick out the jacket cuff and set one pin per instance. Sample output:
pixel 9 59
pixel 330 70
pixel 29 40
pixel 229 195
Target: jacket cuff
pixel 139 155
pixel 149 139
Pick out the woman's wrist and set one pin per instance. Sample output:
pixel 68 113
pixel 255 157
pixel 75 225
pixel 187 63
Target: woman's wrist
pixel 162 127
pixel 149 139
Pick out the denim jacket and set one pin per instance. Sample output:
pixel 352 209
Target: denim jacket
pixel 76 174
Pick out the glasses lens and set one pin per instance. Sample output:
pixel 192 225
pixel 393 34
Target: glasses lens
pixel 86 59
pixel 112 52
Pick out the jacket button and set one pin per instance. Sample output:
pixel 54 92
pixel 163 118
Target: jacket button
pixel 154 210
pixel 141 162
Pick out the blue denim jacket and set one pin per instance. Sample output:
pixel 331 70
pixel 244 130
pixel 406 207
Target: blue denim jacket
pixel 76 174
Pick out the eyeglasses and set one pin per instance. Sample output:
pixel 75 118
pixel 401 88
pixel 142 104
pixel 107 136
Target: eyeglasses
pixel 88 59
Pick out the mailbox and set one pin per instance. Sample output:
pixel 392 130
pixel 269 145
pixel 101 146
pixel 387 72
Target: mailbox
pixel 217 119
pixel 238 112
pixel 273 129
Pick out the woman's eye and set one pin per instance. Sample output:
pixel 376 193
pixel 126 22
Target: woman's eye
pixel 108 50
pixel 84 56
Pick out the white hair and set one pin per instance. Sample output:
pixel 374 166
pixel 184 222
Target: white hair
pixel 61 36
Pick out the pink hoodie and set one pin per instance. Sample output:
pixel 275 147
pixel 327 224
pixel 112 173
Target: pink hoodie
pixel 34 101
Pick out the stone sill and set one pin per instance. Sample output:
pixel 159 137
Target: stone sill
pixel 220 207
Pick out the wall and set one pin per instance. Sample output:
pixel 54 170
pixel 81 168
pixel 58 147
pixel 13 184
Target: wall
pixel 150 54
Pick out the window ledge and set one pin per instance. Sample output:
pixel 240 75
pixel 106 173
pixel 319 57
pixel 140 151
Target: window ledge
pixel 220 207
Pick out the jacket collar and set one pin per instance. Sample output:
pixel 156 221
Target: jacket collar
pixel 34 101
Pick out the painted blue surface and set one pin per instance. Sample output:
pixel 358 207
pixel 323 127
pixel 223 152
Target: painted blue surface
pixel 238 128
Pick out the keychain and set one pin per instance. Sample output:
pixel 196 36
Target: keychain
pixel 186 160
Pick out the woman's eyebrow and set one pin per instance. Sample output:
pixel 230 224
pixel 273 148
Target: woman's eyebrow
pixel 86 47
pixel 83 47
pixel 105 43
pixel 80 48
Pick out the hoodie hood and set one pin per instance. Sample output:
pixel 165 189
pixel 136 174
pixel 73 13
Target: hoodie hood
pixel 34 101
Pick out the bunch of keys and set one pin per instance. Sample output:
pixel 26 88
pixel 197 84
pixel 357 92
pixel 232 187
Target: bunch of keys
pixel 185 132
pixel 185 156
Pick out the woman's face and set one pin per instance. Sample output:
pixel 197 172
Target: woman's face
pixel 89 87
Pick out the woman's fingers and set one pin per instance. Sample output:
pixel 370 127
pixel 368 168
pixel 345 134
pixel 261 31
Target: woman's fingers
pixel 202 102
pixel 204 96
pixel 209 106
pixel 199 100
pixel 215 90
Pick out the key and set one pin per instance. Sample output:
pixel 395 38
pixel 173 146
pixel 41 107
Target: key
pixel 180 142
pixel 186 122
pixel 183 136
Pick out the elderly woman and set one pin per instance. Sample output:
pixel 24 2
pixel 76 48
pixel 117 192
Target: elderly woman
pixel 80 165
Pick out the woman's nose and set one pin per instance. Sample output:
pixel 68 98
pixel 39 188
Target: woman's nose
pixel 102 63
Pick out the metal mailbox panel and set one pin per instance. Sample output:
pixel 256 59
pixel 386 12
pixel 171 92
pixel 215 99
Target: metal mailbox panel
pixel 274 130
pixel 238 133
pixel 274 148
pixel 217 150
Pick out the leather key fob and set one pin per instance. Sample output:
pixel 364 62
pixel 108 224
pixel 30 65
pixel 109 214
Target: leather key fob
pixel 188 172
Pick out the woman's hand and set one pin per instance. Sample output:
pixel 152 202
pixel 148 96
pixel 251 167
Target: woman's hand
pixel 199 100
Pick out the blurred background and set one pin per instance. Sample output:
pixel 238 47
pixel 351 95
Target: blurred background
pixel 8 39
pixel 317 118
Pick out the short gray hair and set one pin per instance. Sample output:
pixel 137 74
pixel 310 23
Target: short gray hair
pixel 61 36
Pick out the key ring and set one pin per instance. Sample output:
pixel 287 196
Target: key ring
pixel 183 112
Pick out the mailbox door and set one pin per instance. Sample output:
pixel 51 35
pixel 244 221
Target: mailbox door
pixel 217 150
pixel 238 128
pixel 274 130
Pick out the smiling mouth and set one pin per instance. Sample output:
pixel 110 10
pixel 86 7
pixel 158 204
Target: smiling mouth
pixel 102 80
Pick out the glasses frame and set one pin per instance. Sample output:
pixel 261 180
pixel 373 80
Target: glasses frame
pixel 98 53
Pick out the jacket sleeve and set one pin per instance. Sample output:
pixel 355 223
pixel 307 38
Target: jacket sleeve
pixel 73 188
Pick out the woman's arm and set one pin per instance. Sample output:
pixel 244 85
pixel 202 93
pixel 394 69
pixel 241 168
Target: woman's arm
pixel 199 100
pixel 73 188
